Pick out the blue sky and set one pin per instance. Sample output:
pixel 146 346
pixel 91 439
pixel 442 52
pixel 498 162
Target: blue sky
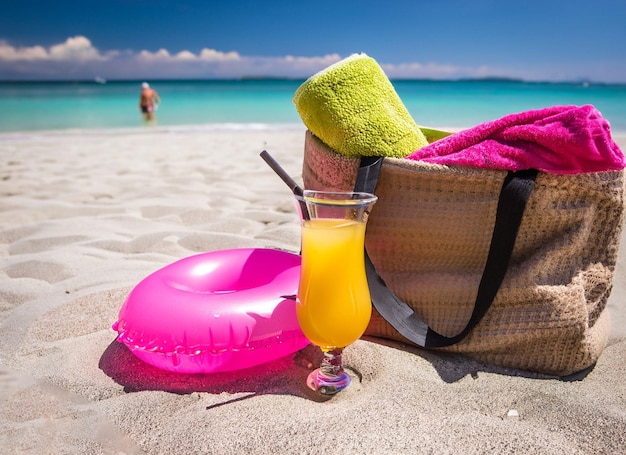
pixel 443 39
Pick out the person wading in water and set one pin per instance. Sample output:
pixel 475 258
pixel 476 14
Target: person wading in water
pixel 148 102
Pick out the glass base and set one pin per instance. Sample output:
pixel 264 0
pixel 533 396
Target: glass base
pixel 330 378
pixel 327 385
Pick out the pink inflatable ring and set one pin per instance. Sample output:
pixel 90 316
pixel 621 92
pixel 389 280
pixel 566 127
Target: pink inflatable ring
pixel 218 311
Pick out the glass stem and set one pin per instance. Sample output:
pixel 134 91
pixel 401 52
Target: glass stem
pixel 331 364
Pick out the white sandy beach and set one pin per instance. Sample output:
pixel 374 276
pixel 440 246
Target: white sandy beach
pixel 84 216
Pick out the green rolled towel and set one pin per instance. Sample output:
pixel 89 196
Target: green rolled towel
pixel 353 108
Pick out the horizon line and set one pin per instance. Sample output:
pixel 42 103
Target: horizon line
pixel 103 81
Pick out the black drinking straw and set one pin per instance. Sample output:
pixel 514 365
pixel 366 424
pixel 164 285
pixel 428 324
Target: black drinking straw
pixel 291 183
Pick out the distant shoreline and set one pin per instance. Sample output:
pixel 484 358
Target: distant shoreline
pixel 103 81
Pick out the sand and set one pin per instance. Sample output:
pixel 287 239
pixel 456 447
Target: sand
pixel 84 216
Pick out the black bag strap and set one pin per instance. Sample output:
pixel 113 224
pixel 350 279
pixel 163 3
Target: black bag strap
pixel 516 190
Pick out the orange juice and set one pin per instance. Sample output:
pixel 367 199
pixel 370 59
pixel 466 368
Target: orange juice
pixel 334 305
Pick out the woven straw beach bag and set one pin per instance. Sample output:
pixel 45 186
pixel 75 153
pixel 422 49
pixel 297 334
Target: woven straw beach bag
pixel 429 238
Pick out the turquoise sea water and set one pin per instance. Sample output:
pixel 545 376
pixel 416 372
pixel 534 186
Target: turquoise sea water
pixel 33 106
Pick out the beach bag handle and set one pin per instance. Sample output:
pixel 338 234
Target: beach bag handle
pixel 514 195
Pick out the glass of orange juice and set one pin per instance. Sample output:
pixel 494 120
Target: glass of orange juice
pixel 333 303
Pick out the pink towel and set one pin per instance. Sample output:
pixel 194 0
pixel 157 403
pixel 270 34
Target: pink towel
pixel 559 140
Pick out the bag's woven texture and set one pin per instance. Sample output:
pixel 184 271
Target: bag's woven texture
pixel 429 234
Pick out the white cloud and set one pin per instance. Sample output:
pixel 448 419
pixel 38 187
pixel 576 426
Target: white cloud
pixel 77 48
pixel 213 63
pixel 205 55
pixel 185 55
pixel 78 58
pixel 161 54
pixel 433 70
pixel 10 53
pixel 324 60
pixel 211 55
pixel 287 66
